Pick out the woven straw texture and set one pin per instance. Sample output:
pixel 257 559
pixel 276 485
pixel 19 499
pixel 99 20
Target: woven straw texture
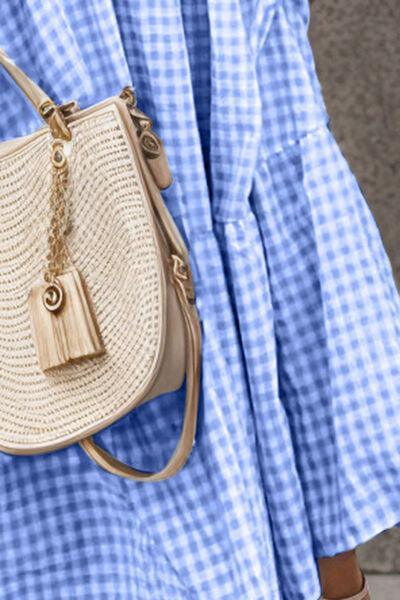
pixel 112 243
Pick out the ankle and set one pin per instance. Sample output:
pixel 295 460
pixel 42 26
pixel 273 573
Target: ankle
pixel 341 576
pixel 339 589
pixel 361 594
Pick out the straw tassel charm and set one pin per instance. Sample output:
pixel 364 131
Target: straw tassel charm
pixel 63 323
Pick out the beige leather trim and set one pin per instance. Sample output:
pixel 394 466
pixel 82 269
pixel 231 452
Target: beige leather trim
pixel 33 92
pixel 172 371
pixel 8 147
pixel 187 437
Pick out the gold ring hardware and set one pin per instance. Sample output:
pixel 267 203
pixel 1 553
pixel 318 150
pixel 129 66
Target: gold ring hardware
pixel 179 267
pixel 182 277
pixel 128 94
pixel 140 119
pixel 55 119
pixel 58 157
pixel 53 297
pixel 69 108
pixel 150 144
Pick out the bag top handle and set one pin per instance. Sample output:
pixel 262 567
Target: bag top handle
pixel 47 109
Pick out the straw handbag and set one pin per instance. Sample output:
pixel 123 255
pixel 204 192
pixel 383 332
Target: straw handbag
pixel 97 304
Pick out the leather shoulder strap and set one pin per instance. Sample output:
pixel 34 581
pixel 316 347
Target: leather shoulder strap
pixel 32 91
pixel 186 440
pixel 44 105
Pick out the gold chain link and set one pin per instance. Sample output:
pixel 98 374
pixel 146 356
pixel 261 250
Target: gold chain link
pixel 57 256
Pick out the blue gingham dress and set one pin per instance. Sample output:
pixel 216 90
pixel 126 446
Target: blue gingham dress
pixel 298 441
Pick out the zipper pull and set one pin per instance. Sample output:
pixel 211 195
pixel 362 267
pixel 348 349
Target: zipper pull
pixel 151 145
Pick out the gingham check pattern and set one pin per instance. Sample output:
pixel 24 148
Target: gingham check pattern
pixel 298 443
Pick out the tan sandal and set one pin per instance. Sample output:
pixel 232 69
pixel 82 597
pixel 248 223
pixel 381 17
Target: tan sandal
pixel 364 594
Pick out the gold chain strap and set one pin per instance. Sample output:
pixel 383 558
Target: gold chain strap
pixel 57 256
